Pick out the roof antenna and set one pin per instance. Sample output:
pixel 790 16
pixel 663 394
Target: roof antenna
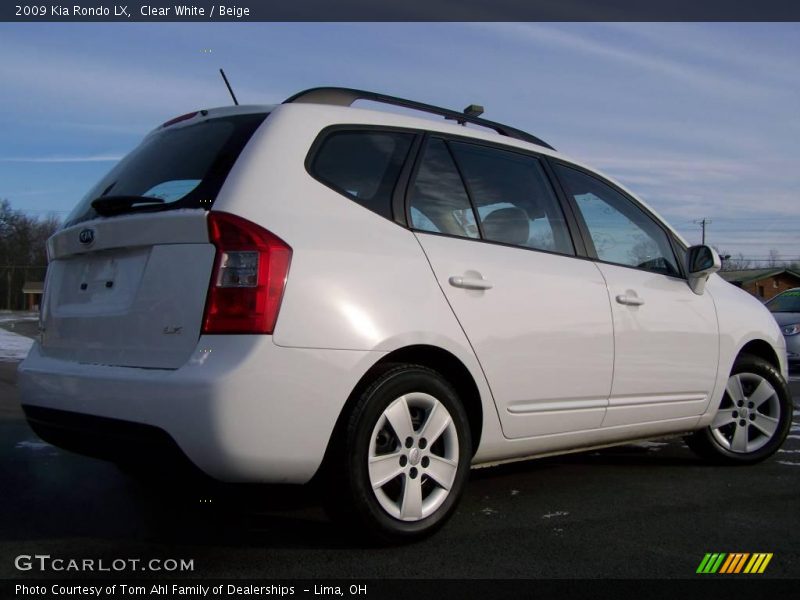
pixel 230 89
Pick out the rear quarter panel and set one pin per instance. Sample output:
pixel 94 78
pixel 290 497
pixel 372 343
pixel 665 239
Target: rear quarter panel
pixel 357 281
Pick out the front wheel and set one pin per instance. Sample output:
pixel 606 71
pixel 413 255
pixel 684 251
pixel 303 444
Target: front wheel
pixel 753 418
pixel 405 457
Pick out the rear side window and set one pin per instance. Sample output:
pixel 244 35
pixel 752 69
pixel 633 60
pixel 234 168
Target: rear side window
pixel 183 166
pixel 438 200
pixel 513 198
pixel 363 165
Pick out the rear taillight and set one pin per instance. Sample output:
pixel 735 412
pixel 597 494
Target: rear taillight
pixel 249 276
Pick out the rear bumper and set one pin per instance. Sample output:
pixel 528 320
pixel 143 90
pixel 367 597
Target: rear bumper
pixel 241 409
pixel 109 439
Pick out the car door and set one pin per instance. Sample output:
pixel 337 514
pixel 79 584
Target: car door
pixel 665 336
pixel 537 317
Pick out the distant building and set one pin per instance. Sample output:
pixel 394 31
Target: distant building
pixel 32 290
pixel 764 283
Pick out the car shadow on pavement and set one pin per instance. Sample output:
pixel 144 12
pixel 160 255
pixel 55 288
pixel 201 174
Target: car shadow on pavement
pixel 201 512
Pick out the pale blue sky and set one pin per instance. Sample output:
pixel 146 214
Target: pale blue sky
pixel 701 120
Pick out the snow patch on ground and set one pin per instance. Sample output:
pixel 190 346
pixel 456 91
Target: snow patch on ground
pixel 9 316
pixel 650 446
pixel 13 347
pixel 558 513
pixel 33 445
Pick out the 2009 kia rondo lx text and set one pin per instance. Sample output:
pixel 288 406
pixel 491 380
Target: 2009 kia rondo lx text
pixel 279 292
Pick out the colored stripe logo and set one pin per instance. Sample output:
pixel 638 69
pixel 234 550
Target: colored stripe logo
pixel 734 563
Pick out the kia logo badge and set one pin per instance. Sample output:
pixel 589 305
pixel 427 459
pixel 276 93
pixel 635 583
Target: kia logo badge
pixel 86 236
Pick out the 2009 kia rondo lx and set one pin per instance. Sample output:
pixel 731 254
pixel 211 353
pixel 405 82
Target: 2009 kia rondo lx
pixel 381 301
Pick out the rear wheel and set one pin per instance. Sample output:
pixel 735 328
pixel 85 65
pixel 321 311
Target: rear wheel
pixel 405 458
pixel 753 418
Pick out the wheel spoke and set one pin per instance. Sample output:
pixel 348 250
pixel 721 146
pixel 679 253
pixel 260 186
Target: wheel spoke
pixel 442 471
pixel 400 418
pixel 411 504
pixel 739 442
pixel 734 389
pixel 384 468
pixel 438 420
pixel 762 393
pixel 766 425
pixel 416 478
pixel 724 417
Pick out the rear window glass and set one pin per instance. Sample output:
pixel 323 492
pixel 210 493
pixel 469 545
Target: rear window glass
pixel 183 166
pixel 363 165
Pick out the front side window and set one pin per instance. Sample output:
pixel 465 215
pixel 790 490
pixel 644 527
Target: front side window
pixel 620 231
pixel 513 198
pixel 363 165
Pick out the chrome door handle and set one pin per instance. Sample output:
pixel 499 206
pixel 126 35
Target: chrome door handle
pixel 630 300
pixel 470 283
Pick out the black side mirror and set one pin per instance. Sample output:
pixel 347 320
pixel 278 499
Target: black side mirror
pixel 702 261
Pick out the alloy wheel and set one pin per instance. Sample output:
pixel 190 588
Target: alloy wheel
pixel 749 415
pixel 413 456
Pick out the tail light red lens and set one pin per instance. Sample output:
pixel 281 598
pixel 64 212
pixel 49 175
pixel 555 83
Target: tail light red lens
pixel 249 276
pixel 185 117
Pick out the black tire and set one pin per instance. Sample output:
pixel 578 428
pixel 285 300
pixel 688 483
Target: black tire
pixel 351 499
pixel 710 443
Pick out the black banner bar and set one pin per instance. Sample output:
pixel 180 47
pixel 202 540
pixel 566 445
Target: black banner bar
pixel 741 587
pixel 405 10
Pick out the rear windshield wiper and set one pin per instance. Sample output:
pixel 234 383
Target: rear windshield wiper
pixel 114 205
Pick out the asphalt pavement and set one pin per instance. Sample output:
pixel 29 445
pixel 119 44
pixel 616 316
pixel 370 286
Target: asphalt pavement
pixel 647 510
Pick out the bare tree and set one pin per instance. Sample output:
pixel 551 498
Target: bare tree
pixel 734 263
pixel 22 251
pixel 774 258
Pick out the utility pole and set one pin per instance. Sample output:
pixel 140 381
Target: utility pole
pixel 703 222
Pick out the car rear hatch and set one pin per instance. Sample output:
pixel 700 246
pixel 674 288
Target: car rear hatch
pixel 128 279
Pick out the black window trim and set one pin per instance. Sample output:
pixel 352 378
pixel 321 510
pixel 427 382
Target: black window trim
pixel 591 252
pixel 467 188
pixel 400 199
pixel 578 248
pixel 397 195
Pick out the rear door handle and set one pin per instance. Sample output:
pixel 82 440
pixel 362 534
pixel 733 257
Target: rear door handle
pixel 470 283
pixel 630 300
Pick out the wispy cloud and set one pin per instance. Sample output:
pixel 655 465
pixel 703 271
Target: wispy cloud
pixel 721 47
pixel 707 80
pixel 60 82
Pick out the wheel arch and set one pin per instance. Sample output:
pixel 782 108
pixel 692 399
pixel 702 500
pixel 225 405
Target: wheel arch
pixel 762 349
pixel 444 362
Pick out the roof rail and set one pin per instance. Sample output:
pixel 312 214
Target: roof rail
pixel 346 96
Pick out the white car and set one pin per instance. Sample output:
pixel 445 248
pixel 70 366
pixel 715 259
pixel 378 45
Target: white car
pixel 379 301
